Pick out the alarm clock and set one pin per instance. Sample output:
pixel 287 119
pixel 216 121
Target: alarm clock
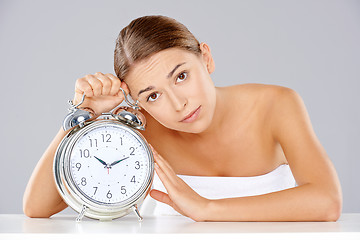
pixel 104 167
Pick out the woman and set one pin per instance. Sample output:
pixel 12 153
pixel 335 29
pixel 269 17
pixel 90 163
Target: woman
pixel 249 132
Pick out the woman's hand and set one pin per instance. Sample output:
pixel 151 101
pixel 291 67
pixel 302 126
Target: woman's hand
pixel 102 91
pixel 180 196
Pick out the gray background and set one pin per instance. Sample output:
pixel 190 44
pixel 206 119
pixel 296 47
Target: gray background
pixel 310 46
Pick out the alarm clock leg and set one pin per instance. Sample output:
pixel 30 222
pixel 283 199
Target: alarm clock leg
pixel 135 209
pixel 81 214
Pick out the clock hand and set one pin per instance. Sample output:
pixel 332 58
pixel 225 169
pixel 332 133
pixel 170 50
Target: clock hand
pixel 116 162
pixel 104 163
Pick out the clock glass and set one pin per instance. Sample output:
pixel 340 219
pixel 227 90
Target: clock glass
pixel 109 164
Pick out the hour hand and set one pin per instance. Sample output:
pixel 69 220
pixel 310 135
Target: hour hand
pixel 116 162
pixel 104 163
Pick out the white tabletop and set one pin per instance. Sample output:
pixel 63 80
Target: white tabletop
pixel 19 226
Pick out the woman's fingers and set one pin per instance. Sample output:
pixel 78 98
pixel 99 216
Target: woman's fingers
pixel 166 179
pixel 106 83
pixel 102 92
pixel 82 86
pixel 160 196
pixel 164 198
pixel 162 162
pixel 95 84
pixel 101 84
pixel 166 173
pixel 180 195
pixel 115 84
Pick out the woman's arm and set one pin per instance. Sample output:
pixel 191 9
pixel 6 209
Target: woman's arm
pixel 41 198
pixel 318 196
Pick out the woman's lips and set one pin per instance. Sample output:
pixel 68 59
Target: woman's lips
pixel 192 116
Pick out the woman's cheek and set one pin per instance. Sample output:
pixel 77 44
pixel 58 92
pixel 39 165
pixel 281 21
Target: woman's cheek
pixel 162 115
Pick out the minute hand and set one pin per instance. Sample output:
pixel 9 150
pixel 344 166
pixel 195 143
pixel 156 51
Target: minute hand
pixel 116 162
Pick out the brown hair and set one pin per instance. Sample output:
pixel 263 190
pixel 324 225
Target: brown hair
pixel 147 35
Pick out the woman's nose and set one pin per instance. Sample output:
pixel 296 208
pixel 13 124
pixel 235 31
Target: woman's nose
pixel 178 102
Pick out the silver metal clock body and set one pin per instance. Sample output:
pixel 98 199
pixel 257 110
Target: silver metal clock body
pixel 66 170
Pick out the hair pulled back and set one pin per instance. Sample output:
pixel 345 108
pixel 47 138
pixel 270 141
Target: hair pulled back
pixel 148 35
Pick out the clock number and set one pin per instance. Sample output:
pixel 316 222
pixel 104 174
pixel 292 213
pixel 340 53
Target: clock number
pixel 83 181
pixel 123 189
pixel 137 165
pixel 133 150
pixel 109 195
pixel 91 142
pixel 108 136
pixel 121 140
pixel 84 153
pixel 78 166
pixel 95 190
pixel 133 179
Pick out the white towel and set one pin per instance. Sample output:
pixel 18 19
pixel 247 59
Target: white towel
pixel 223 187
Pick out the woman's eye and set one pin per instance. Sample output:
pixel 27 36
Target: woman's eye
pixel 182 76
pixel 152 97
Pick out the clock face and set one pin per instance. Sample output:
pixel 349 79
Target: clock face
pixel 109 164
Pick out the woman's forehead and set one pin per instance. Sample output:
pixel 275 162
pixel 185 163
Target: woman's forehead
pixel 157 67
pixel 162 61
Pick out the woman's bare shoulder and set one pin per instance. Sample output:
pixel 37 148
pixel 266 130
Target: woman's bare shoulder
pixel 256 92
pixel 259 88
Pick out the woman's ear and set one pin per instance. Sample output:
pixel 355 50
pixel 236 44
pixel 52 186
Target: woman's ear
pixel 207 57
pixel 124 86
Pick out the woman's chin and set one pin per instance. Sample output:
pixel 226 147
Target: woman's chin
pixel 196 127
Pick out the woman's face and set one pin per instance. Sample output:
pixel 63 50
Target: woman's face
pixel 172 84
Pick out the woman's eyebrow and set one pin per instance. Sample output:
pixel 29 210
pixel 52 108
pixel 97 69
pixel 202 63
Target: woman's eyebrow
pixel 146 89
pixel 176 67
pixel 168 76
